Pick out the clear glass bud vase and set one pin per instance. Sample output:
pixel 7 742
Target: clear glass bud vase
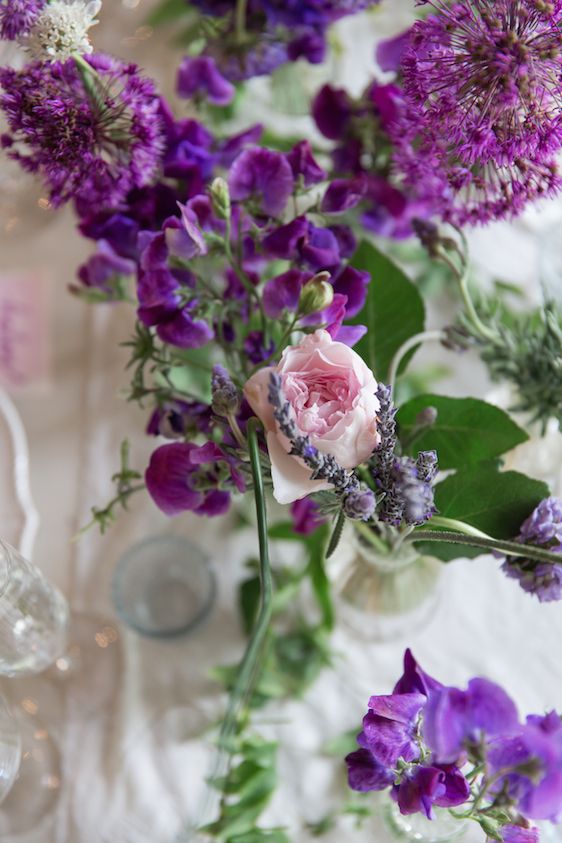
pixel 382 595
pixel 416 827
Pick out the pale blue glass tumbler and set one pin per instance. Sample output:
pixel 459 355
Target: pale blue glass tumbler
pixel 163 586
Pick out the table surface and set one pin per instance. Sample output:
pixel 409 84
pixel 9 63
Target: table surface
pixel 131 728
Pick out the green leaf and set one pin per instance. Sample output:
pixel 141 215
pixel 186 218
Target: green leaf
pixel 336 534
pixel 394 310
pixel 467 431
pixel 284 531
pixel 495 502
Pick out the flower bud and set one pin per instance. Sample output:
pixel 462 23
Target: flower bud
pixel 360 504
pixel 316 295
pixel 427 417
pixel 220 199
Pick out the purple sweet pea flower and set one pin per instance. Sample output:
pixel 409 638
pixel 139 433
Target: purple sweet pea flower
pixel 283 242
pixel 414 679
pixel 229 149
pixel 347 242
pixel 390 728
pixel 282 293
pixel 310 46
pixel 350 334
pixel 519 834
pixel 175 419
pixel 352 283
pixel 304 165
pixel 365 773
pixel 105 268
pixel 184 238
pixel 532 759
pixel 201 75
pixel 424 787
pixel 264 175
pixel 157 292
pixel 320 248
pixel 171 479
pixel 121 232
pixel 306 516
pixel 453 717
pixel 255 347
pixel 183 331
pixel 389 52
pixel 332 110
pixel 342 195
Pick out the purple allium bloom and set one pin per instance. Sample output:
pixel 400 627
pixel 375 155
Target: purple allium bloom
pixel 173 475
pixel 519 834
pixel 200 75
pixel 461 53
pixel 105 268
pixel 303 164
pixel 543 528
pixel 306 516
pixel 93 150
pixel 453 717
pixel 263 175
pixel 17 17
pixel 440 785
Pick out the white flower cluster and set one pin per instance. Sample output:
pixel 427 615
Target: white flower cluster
pixel 61 30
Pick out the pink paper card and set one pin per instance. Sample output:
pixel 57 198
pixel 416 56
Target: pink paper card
pixel 25 330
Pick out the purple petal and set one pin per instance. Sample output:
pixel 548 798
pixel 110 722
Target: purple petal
pixel 332 110
pixel 283 293
pixel 414 678
pixel 350 334
pixel 303 164
pixel 342 195
pixel 201 75
pixel 390 51
pixel 400 707
pixel 518 834
pixel 262 174
pixel 185 332
pixel 283 242
pixel 215 503
pixel 167 478
pixel 353 284
pixel 365 773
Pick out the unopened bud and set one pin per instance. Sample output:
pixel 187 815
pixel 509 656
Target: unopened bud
pixel 316 295
pixel 220 199
pixel 490 828
pixel 360 504
pixel 457 338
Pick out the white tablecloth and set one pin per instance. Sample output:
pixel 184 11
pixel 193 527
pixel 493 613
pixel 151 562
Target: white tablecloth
pixel 132 740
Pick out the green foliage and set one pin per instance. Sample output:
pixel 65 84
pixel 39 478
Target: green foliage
pixel 496 502
pixel 394 310
pixel 168 11
pixel 467 431
pixel 127 483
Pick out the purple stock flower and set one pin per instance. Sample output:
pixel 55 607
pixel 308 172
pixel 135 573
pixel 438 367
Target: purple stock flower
pixel 92 149
pixel 201 75
pixel 306 516
pixel 263 175
pixel 182 476
pixel 543 528
pixel 440 785
pixel 303 164
pixel 453 717
pixel 17 17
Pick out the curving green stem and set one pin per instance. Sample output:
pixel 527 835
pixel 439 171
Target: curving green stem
pixel 538 554
pixel 251 662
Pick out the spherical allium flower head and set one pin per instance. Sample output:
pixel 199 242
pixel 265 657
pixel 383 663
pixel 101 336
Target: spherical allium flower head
pixel 484 120
pixel 61 29
pixel 17 17
pixel 93 137
pixel 488 74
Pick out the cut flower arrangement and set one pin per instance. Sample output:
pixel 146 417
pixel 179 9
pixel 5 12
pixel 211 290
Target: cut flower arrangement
pixel 274 334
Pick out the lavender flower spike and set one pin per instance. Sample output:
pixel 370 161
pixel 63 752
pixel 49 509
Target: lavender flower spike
pixel 226 400
pixel 543 528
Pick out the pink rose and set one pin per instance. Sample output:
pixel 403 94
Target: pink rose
pixel 332 393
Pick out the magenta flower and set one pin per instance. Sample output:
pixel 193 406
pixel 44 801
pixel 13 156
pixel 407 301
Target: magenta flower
pixel 442 786
pixel 182 476
pixel 304 165
pixel 264 176
pixel 90 148
pixel 306 516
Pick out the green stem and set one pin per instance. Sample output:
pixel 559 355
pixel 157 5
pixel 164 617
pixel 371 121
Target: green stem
pixel 240 22
pixel 525 551
pixel 458 527
pixel 462 277
pixel 412 342
pixel 250 664
pixel 369 535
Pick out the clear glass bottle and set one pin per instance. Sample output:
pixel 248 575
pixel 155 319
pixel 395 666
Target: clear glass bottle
pixel 33 617
pixel 416 827
pixel 384 595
